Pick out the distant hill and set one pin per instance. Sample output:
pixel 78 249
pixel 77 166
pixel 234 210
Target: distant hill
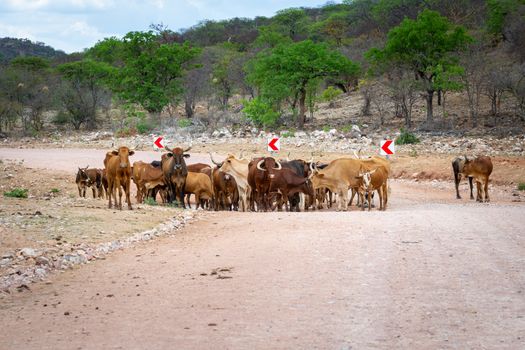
pixel 11 48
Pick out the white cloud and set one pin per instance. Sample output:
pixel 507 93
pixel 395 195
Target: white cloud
pixel 27 5
pixel 16 32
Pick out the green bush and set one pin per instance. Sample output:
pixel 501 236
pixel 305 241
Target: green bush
pixel 406 138
pixel 183 123
pixel 521 186
pixel 326 128
pixel 288 134
pixel 55 190
pixel 330 94
pixel 143 126
pixel 62 118
pixel 16 193
pixel 260 111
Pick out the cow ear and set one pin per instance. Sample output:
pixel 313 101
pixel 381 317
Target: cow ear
pixel 320 175
pixel 115 153
pixel 169 155
pixel 131 153
pixel 186 155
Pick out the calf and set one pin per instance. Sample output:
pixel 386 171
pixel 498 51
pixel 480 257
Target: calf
pixel 373 180
pixel 88 178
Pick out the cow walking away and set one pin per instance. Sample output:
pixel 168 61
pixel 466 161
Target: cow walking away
pixel 457 166
pixel 118 172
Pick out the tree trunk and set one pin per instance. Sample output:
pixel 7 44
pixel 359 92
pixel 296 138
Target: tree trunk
pixel 302 108
pixel 189 108
pixel 430 116
pixel 439 97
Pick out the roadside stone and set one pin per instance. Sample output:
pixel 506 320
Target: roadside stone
pixel 42 260
pixel 28 252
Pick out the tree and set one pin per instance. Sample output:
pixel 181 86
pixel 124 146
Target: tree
pixel 84 90
pixel 286 71
pixel 34 77
pixel 148 72
pixel 424 45
pixel 292 21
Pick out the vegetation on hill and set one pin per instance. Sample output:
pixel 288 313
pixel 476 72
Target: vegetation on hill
pixel 394 52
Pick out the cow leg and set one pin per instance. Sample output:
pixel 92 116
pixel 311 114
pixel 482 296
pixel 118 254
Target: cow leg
pixel 352 197
pixel 119 187
pixel 486 188
pixel 470 184
pixel 182 196
pixel 110 191
pixel 457 179
pixel 128 193
pixel 478 190
pixel 188 197
pixel 385 194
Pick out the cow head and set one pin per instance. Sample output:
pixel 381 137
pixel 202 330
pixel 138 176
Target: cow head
pixel 269 164
pixel 123 153
pixel 366 177
pixel 177 155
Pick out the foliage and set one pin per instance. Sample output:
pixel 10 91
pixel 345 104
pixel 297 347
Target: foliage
pixel 260 111
pixel 183 123
pixel 288 133
pixel 285 71
pixel 330 94
pixel 149 72
pixel 150 201
pixel 406 138
pixel 83 90
pixel 425 46
pixel 497 11
pixel 54 190
pixel 16 193
pixel 521 186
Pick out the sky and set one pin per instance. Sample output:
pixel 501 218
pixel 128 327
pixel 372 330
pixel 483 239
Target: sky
pixel 73 25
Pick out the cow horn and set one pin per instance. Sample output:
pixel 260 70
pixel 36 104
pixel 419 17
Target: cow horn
pixel 213 161
pixel 167 149
pixel 186 150
pixel 241 155
pixel 259 165
pixel 288 157
pixel 279 165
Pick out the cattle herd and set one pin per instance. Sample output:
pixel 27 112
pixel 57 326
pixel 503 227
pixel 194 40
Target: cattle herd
pixel 257 184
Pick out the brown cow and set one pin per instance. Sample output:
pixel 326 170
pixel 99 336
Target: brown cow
pixel 373 180
pixel 225 189
pixel 175 172
pixel 118 171
pixel 197 167
pixel 238 168
pixel 287 183
pixel 480 169
pixel 261 172
pixel 198 184
pixel 148 179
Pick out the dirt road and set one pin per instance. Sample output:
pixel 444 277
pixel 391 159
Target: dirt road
pixel 429 273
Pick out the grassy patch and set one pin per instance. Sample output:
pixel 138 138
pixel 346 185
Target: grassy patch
pixel 406 138
pixel 521 186
pixel 16 193
pixel 288 134
pixel 55 190
pixel 150 201
pixel 183 123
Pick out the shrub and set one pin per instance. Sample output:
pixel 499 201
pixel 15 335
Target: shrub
pixel 55 190
pixel 143 126
pixel 521 186
pixel 326 128
pixel 16 193
pixel 330 94
pixel 260 111
pixel 62 118
pixel 288 134
pixel 150 201
pixel 406 138
pixel 183 123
